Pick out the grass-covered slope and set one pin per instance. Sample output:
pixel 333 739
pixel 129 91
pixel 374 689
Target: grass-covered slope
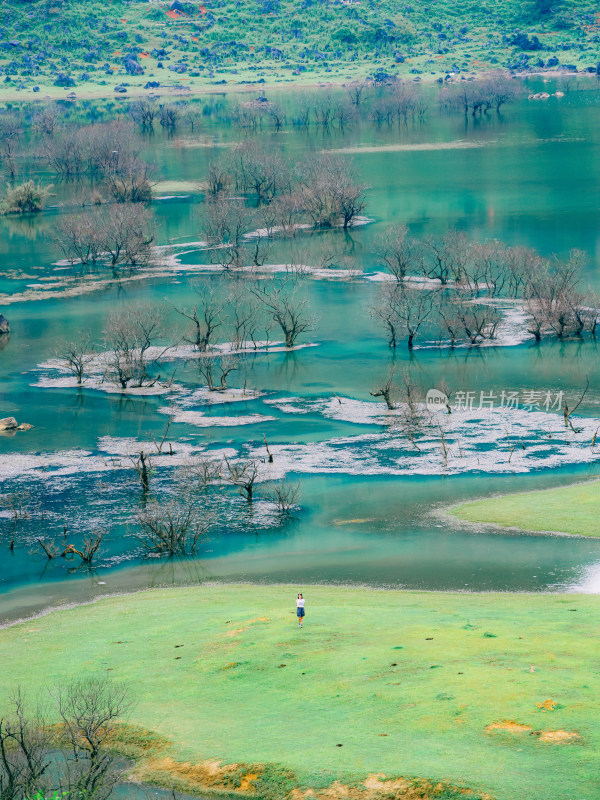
pixel 497 692
pixel 570 509
pixel 89 42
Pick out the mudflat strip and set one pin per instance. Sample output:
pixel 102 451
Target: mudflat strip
pixel 399 148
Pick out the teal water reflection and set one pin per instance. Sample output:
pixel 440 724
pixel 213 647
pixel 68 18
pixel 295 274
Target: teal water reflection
pixel 530 178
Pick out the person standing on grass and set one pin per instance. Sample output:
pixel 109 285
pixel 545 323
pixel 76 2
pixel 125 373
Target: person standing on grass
pixel 300 609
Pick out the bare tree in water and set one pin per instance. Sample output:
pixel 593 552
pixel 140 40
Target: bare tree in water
pixel 403 311
pixel 242 474
pixel 386 389
pixel 227 222
pixel 77 355
pixel 215 369
pixel 286 309
pixel 330 194
pixel 172 528
pixel 285 497
pixel 206 316
pixel 400 253
pixel 131 336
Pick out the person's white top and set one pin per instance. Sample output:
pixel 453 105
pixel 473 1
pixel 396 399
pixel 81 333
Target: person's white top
pixel 300 602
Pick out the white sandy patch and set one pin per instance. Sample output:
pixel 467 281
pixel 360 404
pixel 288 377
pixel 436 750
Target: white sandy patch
pixel 228 349
pixel 412 281
pixel 497 440
pixel 344 409
pixel 259 233
pixel 204 396
pixel 105 386
pixel 201 420
pixel 491 441
pixel 56 375
pixel 112 453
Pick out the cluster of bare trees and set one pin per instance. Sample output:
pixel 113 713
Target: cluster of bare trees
pixel 11 130
pixel 452 259
pixel 402 102
pixel 448 286
pixel 244 312
pixel 136 339
pixel 147 111
pixel 119 235
pixel 320 192
pixel 74 758
pixel 479 97
pixel 133 346
pixel 131 338
pixel 176 527
pixel 556 304
pixel 107 152
pixel 395 102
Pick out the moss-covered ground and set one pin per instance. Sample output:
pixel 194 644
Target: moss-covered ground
pixel 569 509
pixel 497 692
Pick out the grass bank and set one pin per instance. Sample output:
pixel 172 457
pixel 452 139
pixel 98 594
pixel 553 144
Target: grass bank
pixel 570 509
pixel 497 692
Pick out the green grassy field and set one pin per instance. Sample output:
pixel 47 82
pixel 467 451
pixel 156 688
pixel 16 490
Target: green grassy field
pixel 406 682
pixel 569 509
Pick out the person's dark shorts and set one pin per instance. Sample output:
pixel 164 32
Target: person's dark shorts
pixel 299 612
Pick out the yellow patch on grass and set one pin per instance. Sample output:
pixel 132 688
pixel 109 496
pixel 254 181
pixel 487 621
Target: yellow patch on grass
pixel 558 737
pixel 548 705
pixel 205 774
pixel 509 726
pixel 247 625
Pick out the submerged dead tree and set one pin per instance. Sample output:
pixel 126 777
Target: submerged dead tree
pixel 77 355
pixel 206 316
pixel 242 474
pixel 216 368
pixel 400 253
pixel 403 311
pixel 386 389
pixel 286 309
pixel 173 528
pixel 131 336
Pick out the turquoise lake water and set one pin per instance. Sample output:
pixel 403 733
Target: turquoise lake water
pixel 371 505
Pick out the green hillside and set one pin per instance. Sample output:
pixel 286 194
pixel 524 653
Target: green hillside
pixel 70 44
